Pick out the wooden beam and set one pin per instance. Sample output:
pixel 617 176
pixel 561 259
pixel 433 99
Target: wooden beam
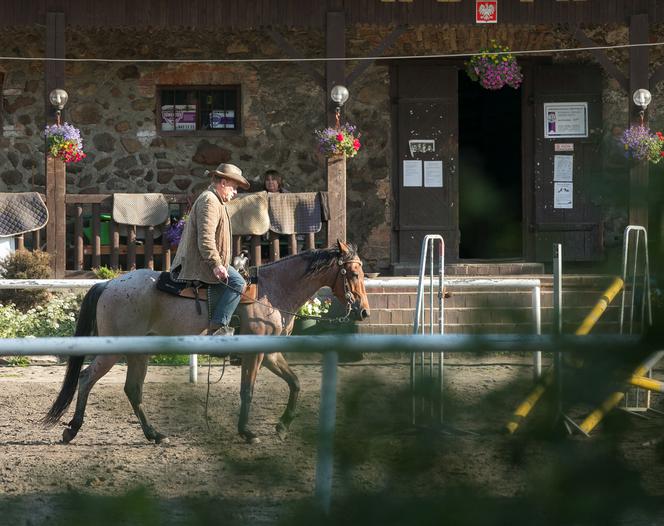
pixel 639 57
pixel 378 51
pixel 293 53
pixel 54 72
pixel 602 58
pixel 335 47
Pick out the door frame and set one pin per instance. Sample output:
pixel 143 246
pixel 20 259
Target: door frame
pixel 527 152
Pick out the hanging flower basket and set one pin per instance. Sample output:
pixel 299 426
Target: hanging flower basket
pixel 495 68
pixel 339 141
pixel 641 144
pixel 64 142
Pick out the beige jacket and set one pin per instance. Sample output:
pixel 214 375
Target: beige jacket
pixel 206 240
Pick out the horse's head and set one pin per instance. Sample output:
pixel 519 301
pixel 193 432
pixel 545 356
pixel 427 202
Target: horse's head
pixel 349 284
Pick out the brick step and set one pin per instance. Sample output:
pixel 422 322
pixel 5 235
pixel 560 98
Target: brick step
pixel 572 315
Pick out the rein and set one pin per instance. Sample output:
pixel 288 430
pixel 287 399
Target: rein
pixel 347 294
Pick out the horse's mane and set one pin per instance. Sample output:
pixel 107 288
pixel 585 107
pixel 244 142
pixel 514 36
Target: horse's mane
pixel 318 259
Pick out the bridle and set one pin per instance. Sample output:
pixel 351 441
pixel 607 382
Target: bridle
pixel 348 294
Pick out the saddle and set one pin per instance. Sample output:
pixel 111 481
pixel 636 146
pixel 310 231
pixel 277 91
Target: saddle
pixel 196 290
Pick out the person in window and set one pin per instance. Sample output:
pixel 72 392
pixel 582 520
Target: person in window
pixel 273 181
pixel 205 251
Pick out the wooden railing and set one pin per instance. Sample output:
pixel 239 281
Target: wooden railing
pixel 152 252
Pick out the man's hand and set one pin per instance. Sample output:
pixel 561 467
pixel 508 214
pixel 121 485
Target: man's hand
pixel 220 273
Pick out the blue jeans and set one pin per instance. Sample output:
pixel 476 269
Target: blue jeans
pixel 228 298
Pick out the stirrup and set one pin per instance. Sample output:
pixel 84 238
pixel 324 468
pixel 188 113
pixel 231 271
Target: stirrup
pixel 224 330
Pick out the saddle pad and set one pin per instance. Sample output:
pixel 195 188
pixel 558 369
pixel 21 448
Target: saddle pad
pixel 248 213
pixel 21 212
pixel 297 213
pixel 140 209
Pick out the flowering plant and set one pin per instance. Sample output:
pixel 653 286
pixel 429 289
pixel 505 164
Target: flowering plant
pixel 64 142
pixel 315 307
pixel 337 141
pixel 642 144
pixel 173 232
pixel 494 68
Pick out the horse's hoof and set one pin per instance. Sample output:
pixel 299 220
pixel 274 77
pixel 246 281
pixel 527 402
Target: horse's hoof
pixel 282 431
pixel 67 436
pixel 161 439
pixel 250 438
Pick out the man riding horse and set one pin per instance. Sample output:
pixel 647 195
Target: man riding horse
pixel 205 252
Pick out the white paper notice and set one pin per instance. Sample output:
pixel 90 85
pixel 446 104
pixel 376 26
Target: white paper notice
pixel 412 173
pixel 433 174
pixel 562 195
pixel 563 168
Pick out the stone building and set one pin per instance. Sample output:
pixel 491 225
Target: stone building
pixel 496 201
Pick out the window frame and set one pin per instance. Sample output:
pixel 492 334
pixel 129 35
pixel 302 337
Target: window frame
pixel 197 88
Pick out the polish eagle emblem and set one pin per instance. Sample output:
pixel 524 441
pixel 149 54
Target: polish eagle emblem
pixel 486 11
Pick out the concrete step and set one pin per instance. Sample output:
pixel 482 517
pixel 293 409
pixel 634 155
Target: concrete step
pixel 476 268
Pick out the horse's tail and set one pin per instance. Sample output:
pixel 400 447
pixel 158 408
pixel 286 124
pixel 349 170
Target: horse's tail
pixel 86 326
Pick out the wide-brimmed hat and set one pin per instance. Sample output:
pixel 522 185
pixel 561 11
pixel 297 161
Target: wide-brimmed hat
pixel 232 172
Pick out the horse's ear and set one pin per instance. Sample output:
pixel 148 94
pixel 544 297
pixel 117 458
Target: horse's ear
pixel 343 247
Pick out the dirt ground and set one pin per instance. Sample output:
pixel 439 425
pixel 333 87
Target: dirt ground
pixel 111 475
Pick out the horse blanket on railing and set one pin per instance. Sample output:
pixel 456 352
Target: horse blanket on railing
pixel 296 213
pixel 21 212
pixel 140 209
pixel 249 215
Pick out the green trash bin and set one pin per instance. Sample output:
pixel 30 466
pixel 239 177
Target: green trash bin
pixel 105 219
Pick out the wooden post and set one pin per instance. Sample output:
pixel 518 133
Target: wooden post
pixel 56 242
pixel 639 58
pixel 336 192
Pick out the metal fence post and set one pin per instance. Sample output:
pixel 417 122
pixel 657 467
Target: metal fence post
pixel 328 416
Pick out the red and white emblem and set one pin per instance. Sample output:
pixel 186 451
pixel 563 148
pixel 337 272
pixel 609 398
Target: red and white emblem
pixel 486 12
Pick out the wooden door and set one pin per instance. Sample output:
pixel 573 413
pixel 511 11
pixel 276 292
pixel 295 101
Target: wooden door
pixel 579 227
pixel 427 132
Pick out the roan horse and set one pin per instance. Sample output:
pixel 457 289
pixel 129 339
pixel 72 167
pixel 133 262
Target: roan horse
pixel 131 305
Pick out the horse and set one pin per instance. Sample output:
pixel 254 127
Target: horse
pixel 131 305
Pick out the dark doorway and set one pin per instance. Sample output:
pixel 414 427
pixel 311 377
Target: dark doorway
pixel 490 210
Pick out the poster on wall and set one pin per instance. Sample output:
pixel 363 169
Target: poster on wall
pixel 412 173
pixel 565 119
pixel 563 168
pixel 486 12
pixel 433 174
pixel 562 195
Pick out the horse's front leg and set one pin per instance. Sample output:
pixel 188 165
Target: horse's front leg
pixel 137 367
pixel 276 363
pixel 250 365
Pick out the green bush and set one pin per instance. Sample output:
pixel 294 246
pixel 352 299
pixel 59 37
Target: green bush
pixel 57 317
pixel 105 272
pixel 23 264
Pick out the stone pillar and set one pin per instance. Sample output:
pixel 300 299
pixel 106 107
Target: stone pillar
pixel 336 191
pixel 56 241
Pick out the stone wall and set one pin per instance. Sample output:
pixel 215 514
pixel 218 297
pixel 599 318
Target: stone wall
pixel 114 105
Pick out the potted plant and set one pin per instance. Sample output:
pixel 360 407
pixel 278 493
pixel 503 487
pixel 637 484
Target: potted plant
pixel 173 232
pixel 64 142
pixel 312 309
pixel 341 140
pixel 494 68
pixel 641 144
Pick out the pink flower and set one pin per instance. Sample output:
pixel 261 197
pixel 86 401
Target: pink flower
pixel 340 137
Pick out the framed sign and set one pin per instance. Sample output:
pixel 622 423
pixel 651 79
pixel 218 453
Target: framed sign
pixel 565 119
pixel 486 12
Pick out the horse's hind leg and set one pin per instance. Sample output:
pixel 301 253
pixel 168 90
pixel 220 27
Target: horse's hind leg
pixel 137 367
pixel 250 365
pixel 88 378
pixel 276 363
